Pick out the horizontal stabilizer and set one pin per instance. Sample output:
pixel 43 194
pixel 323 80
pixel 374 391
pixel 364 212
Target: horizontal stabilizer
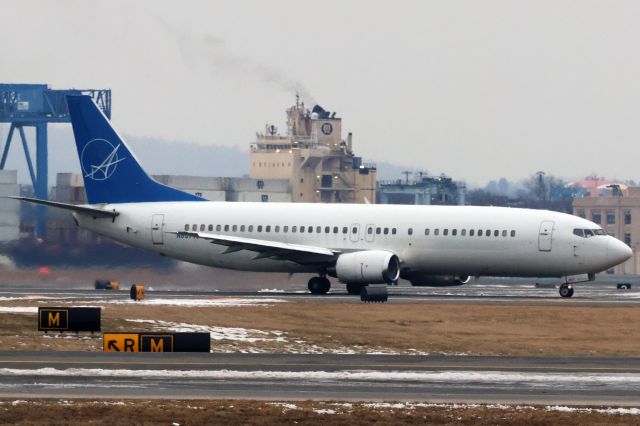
pixel 73 207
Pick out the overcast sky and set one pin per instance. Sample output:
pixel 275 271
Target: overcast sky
pixel 475 89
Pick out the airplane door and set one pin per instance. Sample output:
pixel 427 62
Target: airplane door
pixel 545 235
pixel 370 234
pixel 157 228
pixel 354 232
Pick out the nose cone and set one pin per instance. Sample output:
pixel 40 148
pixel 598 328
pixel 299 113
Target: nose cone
pixel 617 251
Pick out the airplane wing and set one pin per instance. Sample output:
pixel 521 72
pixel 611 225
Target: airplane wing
pixel 266 249
pixel 96 212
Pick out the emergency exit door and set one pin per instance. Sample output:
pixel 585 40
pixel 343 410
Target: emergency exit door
pixel 157 228
pixel 545 235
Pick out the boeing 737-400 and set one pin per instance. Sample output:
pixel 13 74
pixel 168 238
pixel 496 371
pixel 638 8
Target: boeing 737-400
pixel 359 244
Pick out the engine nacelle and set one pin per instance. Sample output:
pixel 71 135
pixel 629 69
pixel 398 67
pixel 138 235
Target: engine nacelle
pixel 368 267
pixel 439 280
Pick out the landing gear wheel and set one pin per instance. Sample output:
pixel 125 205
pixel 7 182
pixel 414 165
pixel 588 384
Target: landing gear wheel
pixel 354 289
pixel 319 285
pixel 374 293
pixel 566 290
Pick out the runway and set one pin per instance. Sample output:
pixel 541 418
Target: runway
pixel 579 381
pixel 589 294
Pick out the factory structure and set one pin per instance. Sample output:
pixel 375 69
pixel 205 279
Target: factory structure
pixel 319 165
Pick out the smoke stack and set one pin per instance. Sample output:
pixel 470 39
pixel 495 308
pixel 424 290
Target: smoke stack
pixel 350 142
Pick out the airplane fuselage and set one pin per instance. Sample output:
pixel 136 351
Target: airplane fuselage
pixel 428 240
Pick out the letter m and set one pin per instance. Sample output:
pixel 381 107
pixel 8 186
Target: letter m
pixel 157 345
pixel 54 319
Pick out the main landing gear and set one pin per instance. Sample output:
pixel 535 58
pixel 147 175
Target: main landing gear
pixel 566 290
pixel 319 285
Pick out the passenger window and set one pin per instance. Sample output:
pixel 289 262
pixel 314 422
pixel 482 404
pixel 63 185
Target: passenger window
pixel 335 229
pixel 235 228
pixel 250 228
pixel 319 229
pixel 436 231
pixel 393 231
pixel 267 228
pixel 201 227
pixel 378 230
pixel 496 233
pixel 463 232
pixel 194 227
pixel 386 231
pixel 327 229
pixel 445 232
pixel 226 228
pixel 479 232
pixel 471 232
pixel 285 229
pixel 426 231
pixel 218 228
pixel 277 228
pixel 454 232
pixel 410 231
pixel 242 228
pixel 210 228
pixel 513 233
pixel 354 230
pixel 302 229
pixel 578 232
pixel 259 228
pixel 488 233
pixel 345 230
pixel 504 232
pixel 186 227
pixel 310 229
pixel 294 229
pixel 370 230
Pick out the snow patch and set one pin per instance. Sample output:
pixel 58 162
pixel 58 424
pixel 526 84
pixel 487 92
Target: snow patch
pixel 220 333
pixel 18 310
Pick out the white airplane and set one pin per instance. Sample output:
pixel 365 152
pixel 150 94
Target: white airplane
pixel 359 244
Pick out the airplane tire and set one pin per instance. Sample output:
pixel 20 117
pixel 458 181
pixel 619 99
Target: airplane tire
pixel 319 285
pixel 566 291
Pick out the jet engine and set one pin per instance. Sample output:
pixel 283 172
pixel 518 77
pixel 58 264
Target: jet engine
pixel 368 267
pixel 438 280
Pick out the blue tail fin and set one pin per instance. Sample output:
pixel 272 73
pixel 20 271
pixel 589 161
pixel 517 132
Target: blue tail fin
pixel 111 172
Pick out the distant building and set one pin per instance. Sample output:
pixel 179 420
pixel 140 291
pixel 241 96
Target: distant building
pixel 617 210
pixel 9 209
pixel 422 190
pixel 319 165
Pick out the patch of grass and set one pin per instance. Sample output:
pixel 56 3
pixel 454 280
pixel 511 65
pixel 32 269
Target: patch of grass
pixel 204 412
pixel 475 329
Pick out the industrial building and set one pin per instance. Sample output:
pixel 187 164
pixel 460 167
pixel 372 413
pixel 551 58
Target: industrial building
pixel 617 210
pixel 9 211
pixel 312 155
pixel 422 189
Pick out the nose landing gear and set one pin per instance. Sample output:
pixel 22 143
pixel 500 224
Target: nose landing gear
pixel 566 290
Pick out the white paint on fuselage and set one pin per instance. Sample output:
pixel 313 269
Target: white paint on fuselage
pixel 429 255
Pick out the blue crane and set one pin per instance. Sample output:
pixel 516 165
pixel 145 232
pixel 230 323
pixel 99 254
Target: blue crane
pixel 36 105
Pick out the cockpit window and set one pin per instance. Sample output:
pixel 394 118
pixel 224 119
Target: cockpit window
pixel 586 233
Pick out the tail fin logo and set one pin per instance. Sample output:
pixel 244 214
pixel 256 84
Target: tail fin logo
pixel 99 159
